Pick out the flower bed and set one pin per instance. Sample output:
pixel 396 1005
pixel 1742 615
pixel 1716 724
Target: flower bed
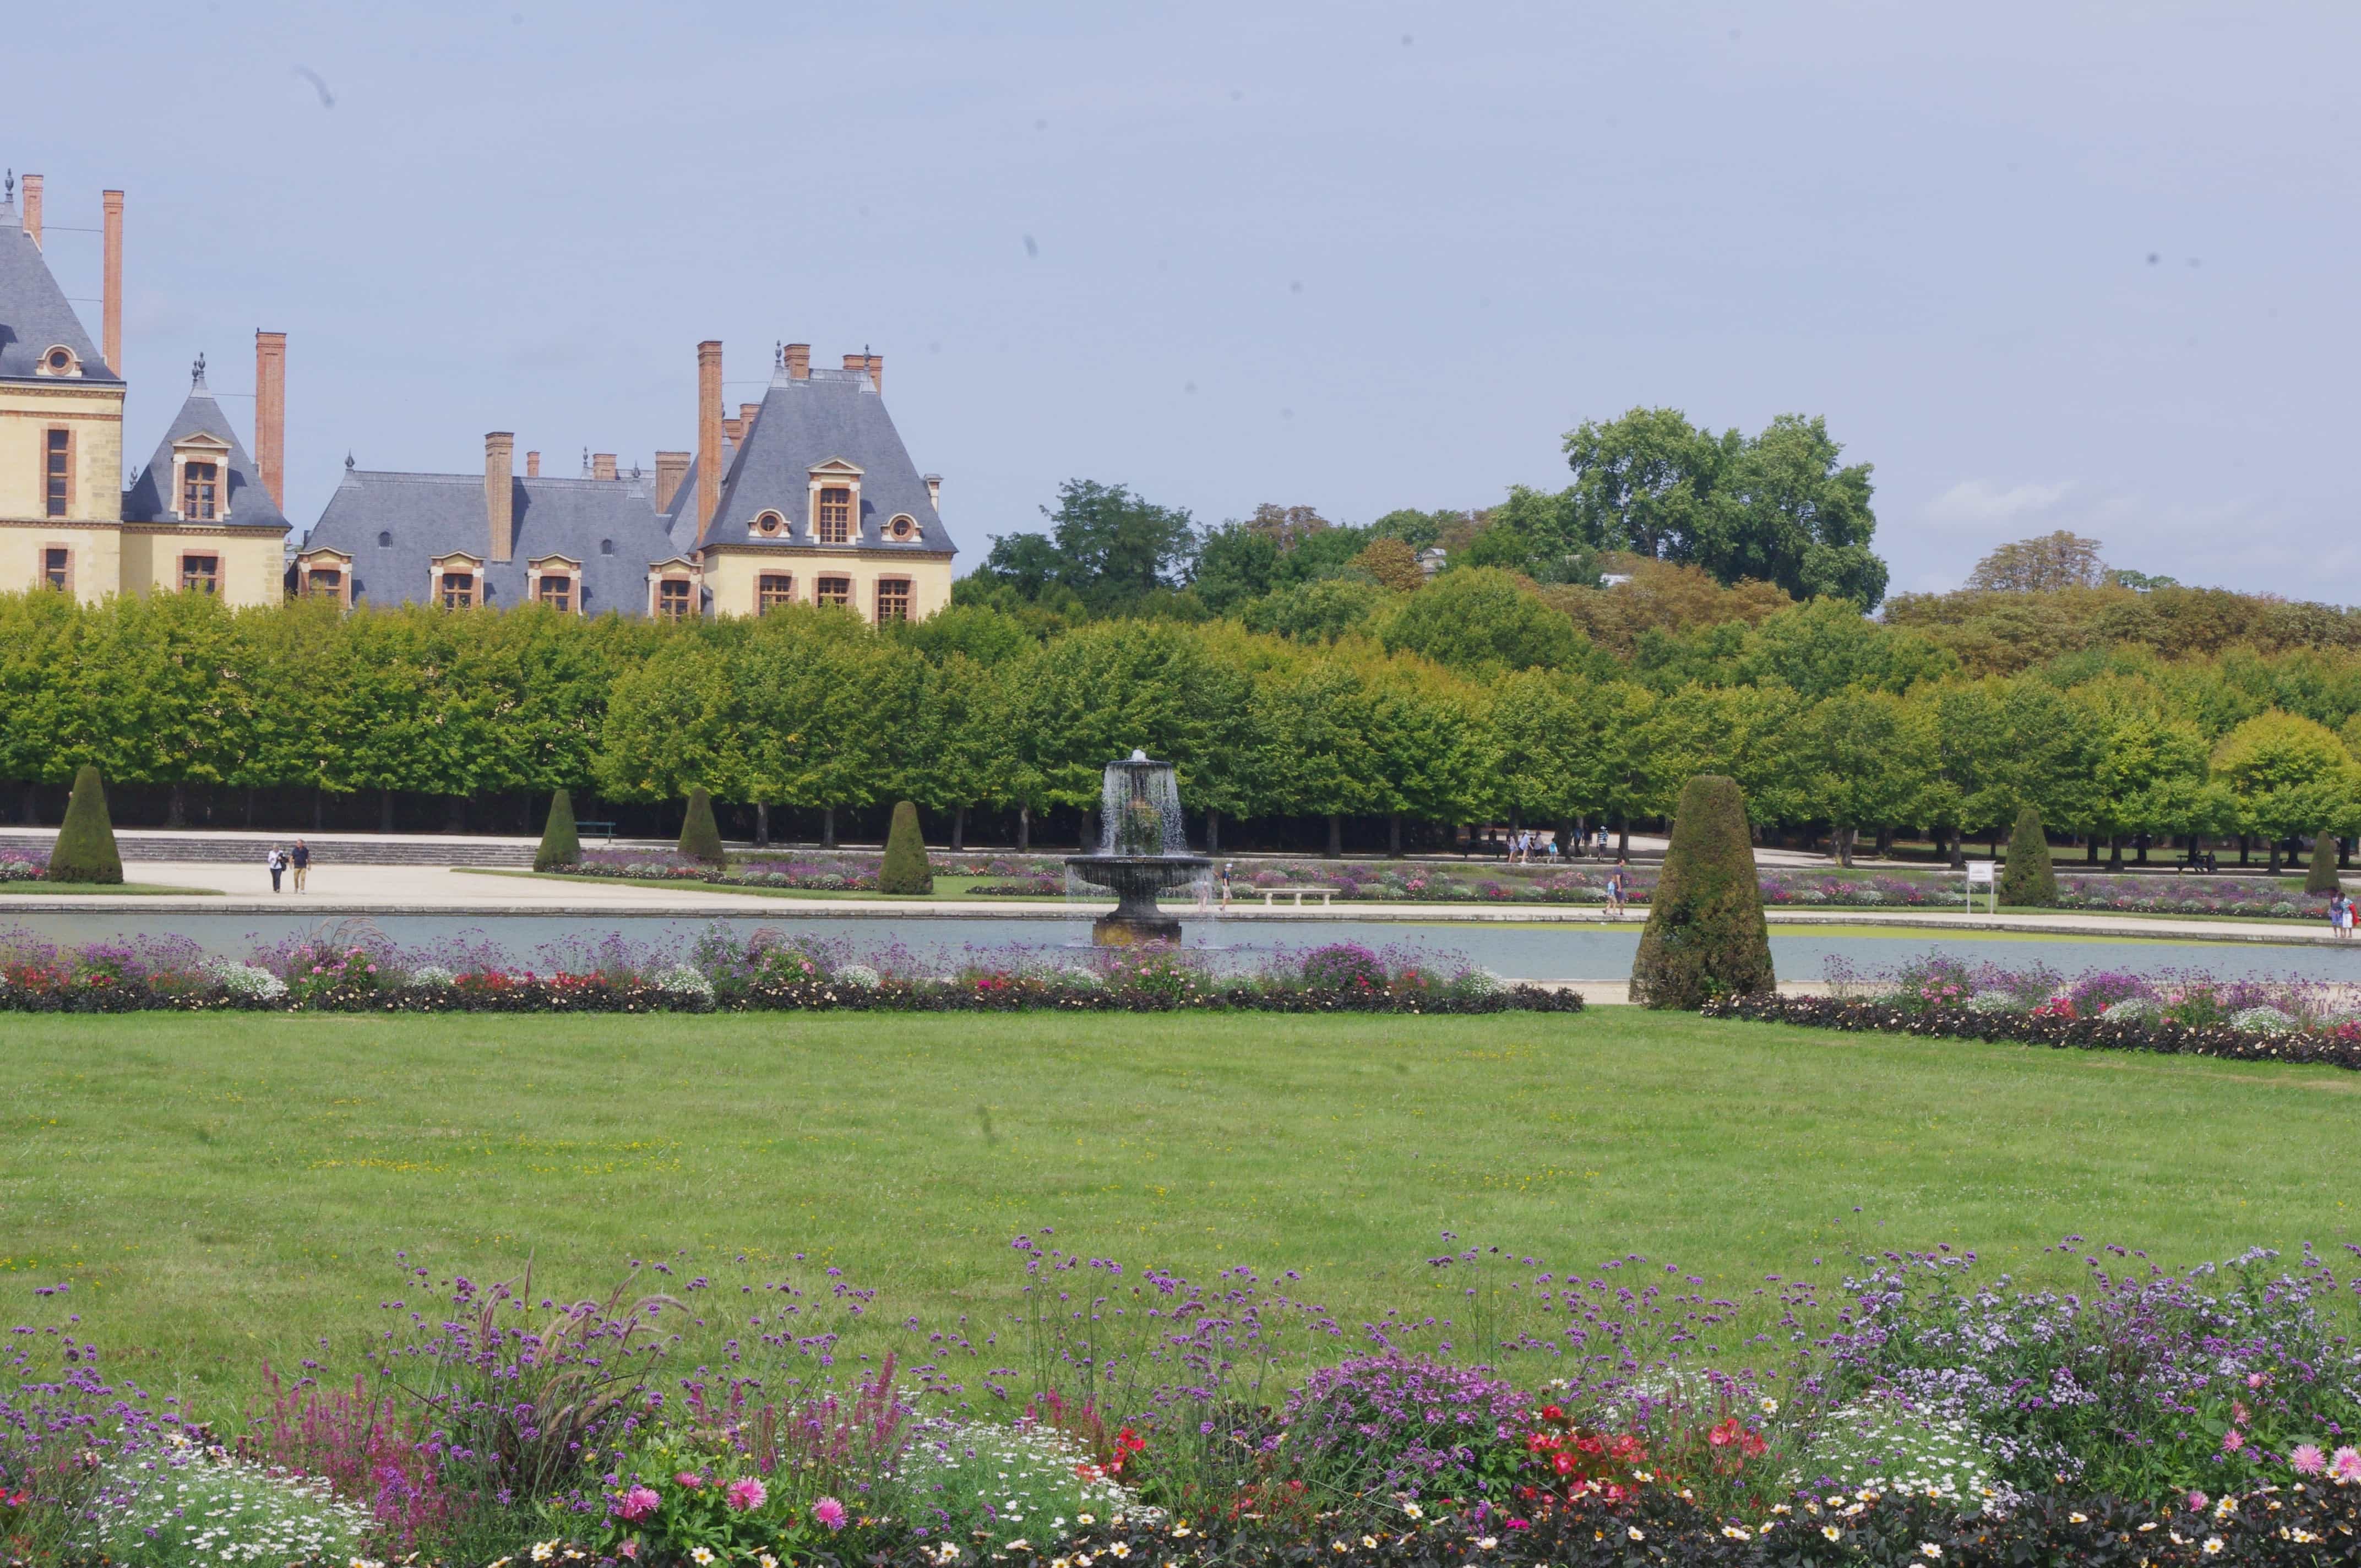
pixel 24 865
pixel 1615 1413
pixel 361 972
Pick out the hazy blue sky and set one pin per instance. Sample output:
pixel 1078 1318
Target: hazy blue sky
pixel 2043 264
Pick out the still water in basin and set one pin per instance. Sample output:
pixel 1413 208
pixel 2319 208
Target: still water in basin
pixel 1525 952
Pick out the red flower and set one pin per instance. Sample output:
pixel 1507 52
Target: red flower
pixel 1553 1413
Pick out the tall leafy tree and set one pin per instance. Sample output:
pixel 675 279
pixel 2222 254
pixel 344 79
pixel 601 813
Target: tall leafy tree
pixel 1792 515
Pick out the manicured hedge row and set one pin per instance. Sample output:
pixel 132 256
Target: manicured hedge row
pixel 2333 1047
pixel 593 994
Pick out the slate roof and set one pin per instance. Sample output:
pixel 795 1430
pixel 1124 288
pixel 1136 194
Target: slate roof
pixel 34 316
pixel 802 423
pixel 250 505
pixel 426 515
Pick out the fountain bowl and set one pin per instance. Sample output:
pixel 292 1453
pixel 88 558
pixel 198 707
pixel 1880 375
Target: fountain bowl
pixel 1136 880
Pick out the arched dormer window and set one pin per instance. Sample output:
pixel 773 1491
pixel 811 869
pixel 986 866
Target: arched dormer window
pixel 59 361
pixel 770 525
pixel 903 529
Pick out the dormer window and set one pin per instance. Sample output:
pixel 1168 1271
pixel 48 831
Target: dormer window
pixel 60 361
pixel 555 581
pixel 836 502
pixel 324 574
pixel 903 529
pixel 200 491
pixel 675 588
pixel 770 525
pixel 201 478
pixel 455 581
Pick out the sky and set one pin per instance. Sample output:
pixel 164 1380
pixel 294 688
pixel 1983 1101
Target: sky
pixel 2043 266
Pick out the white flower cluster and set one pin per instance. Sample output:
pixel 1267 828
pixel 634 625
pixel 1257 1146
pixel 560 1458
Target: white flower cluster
pixel 860 975
pixel 249 983
pixel 683 979
pixel 2132 1009
pixel 432 977
pixel 2261 1021
pixel 1995 1001
pixel 189 1508
pixel 1879 1444
pixel 1076 977
pixel 1013 1481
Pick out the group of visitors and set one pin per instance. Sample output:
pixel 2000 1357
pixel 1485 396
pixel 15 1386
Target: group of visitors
pixel 2339 916
pixel 279 861
pixel 1532 847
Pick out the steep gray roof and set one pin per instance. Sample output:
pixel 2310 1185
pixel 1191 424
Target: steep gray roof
pixel 34 316
pixel 802 423
pixel 426 515
pixel 250 505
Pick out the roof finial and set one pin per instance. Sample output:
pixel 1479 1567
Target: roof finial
pixel 348 462
pixel 585 462
pixel 778 355
pixel 12 187
pixel 197 374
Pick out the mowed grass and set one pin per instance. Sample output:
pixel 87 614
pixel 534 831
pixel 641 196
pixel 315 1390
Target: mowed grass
pixel 223 1189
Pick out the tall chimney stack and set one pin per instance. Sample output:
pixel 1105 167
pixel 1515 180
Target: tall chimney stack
pixel 500 453
pixel 33 208
pixel 732 430
pixel 110 307
pixel 935 491
pixel 858 363
pixel 671 469
pixel 878 373
pixel 602 464
pixel 532 464
pixel 709 432
pixel 270 414
pixel 746 412
pixel 799 362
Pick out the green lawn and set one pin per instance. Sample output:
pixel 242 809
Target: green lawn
pixel 220 1189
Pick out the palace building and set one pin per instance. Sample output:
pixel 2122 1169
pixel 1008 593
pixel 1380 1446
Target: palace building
pixel 807 497
pixel 201 517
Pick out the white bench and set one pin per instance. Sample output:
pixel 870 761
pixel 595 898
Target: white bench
pixel 1271 895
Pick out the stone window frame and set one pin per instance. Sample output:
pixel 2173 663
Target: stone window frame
pixel 877 597
pixel 41 567
pixel 679 569
pixel 835 473
pixel 822 594
pixel 768 524
pixel 765 601
pixel 220 571
pixel 458 564
pixel 201 447
pixel 546 568
pixel 324 560
pixel 65 504
pixel 903 529
pixel 45 366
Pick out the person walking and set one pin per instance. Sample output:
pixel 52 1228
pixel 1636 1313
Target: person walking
pixel 1229 868
pixel 302 858
pixel 1615 891
pixel 277 861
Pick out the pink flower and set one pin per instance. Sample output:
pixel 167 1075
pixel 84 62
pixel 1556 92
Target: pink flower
pixel 2346 1462
pixel 829 1512
pixel 2307 1459
pixel 688 1479
pixel 639 1503
pixel 746 1493
pixel 2230 1441
pixel 2196 1502
pixel 631 1549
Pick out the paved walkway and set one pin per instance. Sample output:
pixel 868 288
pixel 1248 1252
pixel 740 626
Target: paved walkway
pixel 432 890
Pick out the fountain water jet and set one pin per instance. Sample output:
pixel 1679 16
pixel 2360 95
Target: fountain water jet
pixel 1142 850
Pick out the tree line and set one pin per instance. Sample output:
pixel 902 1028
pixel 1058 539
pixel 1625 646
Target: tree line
pixel 1475 699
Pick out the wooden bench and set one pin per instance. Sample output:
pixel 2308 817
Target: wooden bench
pixel 603 830
pixel 1271 895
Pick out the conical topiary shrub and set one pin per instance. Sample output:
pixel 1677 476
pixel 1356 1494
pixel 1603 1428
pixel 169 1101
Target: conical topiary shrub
pixel 1706 935
pixel 2028 879
pixel 85 848
pixel 2322 878
pixel 560 845
pixel 904 871
pixel 699 839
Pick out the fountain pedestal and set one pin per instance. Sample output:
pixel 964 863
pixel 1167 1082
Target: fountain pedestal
pixel 1142 851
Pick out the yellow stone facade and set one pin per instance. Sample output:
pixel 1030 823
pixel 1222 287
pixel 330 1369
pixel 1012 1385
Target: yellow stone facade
pixel 733 574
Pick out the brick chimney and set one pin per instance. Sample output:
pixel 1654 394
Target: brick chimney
pixel 709 430
pixel 532 464
pixel 499 451
pixel 857 362
pixel 110 307
pixel 878 373
pixel 732 430
pixel 746 412
pixel 270 415
pixel 602 464
pixel 799 362
pixel 672 467
pixel 935 491
pixel 33 208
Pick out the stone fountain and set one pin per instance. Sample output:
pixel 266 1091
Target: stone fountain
pixel 1142 850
